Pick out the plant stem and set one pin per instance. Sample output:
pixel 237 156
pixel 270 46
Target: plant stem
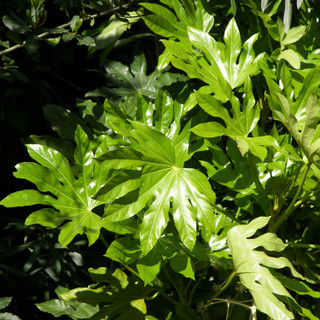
pixel 168 298
pixel 103 240
pixel 66 25
pixel 193 290
pixel 239 303
pixel 304 245
pixel 173 282
pixel 258 184
pixel 131 270
pixel 228 214
pixel 225 286
pixel 283 217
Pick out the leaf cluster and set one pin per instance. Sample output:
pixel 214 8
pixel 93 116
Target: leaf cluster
pixel 202 181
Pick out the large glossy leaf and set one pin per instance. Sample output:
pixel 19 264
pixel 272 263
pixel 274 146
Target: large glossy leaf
pixel 252 267
pixel 69 196
pixel 220 65
pixel 225 57
pixel 237 127
pixel 127 81
pixel 166 187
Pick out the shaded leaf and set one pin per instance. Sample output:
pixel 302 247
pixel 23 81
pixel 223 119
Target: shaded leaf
pixel 128 81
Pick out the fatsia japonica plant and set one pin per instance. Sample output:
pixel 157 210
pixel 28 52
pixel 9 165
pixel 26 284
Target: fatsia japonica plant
pixel 207 200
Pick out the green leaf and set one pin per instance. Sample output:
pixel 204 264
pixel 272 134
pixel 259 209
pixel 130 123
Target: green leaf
pixel 239 126
pixel 297 286
pixel 164 183
pixel 11 24
pixel 113 31
pixel 293 35
pixel 140 305
pixel 181 263
pixel 223 57
pixel 63 121
pixel 290 56
pixel 115 278
pixel 149 266
pixel 73 309
pixel 8 316
pixel 120 302
pixel 32 44
pixel 124 250
pixel 128 81
pixel 4 302
pixel 72 197
pixel 187 14
pixel 305 130
pixel 168 248
pixel 64 146
pixel 252 266
pixel 75 23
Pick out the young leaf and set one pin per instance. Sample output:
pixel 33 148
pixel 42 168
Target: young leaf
pixel 224 57
pixel 252 267
pixel 239 126
pixel 4 302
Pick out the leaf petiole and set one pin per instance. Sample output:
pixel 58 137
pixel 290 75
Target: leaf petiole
pixel 283 217
pixel 225 286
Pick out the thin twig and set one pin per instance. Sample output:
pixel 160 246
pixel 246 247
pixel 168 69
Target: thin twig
pixel 66 25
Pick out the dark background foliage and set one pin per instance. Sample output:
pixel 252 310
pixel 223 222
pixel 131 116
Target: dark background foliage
pixel 32 263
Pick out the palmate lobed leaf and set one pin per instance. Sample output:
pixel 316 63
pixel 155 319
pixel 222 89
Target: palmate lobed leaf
pixel 238 127
pixel 165 187
pixel 252 267
pixel 222 66
pixel 69 196
pixel 124 81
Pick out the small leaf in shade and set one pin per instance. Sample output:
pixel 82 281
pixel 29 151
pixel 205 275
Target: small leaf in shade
pixel 124 250
pixel 4 302
pixel 140 305
pixel 72 309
